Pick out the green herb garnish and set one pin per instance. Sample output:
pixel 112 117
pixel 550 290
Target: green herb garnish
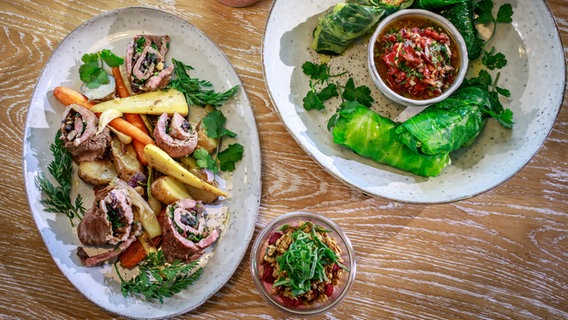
pixel 214 124
pixel 305 260
pixel 158 280
pixel 230 156
pixel 196 91
pixel 91 71
pixel 58 198
pixel 484 11
pixel 320 88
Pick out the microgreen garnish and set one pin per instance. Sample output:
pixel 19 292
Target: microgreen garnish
pixel 92 72
pixel 305 259
pixel 158 280
pixel 58 198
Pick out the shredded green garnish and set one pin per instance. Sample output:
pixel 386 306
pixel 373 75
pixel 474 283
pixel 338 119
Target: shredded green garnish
pixel 305 260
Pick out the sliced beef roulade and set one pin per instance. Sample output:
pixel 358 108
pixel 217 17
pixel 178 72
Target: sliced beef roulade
pixel 184 230
pixel 145 63
pixel 175 136
pixel 79 134
pixel 110 221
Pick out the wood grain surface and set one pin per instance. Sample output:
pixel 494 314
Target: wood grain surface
pixel 500 255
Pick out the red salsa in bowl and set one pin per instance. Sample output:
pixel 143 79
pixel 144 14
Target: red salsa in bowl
pixel 418 56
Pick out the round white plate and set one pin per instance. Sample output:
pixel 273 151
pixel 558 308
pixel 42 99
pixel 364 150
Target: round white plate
pixel 113 30
pixel 534 75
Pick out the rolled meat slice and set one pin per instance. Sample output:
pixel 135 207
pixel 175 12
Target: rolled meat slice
pixel 79 134
pixel 185 232
pixel 145 63
pixel 175 136
pixel 110 221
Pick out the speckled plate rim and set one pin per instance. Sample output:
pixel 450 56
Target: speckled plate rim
pixel 192 46
pixel 286 46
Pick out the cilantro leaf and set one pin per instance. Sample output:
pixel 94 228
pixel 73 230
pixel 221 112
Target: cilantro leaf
pixel 328 92
pixel 205 160
pixel 91 72
pixel 214 124
pixel 494 60
pixel 110 58
pixel 312 101
pixel 361 94
pixel 231 155
pixel 505 13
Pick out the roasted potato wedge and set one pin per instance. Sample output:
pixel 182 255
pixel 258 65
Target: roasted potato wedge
pixel 169 190
pixel 125 160
pixel 97 172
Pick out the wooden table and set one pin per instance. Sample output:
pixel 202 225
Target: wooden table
pixel 500 255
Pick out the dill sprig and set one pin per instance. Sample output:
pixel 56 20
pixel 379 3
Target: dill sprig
pixel 58 198
pixel 158 280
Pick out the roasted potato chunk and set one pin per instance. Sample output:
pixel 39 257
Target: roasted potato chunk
pixel 125 160
pixel 97 172
pixel 169 190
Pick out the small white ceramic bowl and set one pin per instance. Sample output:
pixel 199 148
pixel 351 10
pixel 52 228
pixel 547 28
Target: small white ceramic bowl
pixel 295 219
pixel 437 19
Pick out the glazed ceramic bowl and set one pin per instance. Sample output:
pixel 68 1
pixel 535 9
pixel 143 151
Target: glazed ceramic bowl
pixel 258 264
pixel 406 17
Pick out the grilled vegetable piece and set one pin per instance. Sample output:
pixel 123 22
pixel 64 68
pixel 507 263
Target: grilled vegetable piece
pixel 373 136
pixel 161 161
pixel 448 125
pixel 155 103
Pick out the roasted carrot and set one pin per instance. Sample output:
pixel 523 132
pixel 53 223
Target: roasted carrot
pixel 120 85
pixel 68 96
pixel 134 119
pixel 135 253
pixel 131 130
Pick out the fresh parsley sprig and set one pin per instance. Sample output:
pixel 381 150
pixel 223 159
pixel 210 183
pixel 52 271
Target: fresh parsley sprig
pixel 484 12
pixel 92 72
pixel 496 110
pixel 198 92
pixel 320 88
pixel 58 197
pixel 158 280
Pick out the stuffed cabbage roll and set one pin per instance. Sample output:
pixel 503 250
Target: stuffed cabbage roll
pixel 461 15
pixel 436 4
pixel 373 136
pixel 447 125
pixel 345 23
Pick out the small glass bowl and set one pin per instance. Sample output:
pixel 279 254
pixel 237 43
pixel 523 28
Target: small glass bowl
pixel 437 19
pixel 295 219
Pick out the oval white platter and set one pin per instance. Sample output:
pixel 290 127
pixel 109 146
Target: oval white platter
pixel 113 30
pixel 535 77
